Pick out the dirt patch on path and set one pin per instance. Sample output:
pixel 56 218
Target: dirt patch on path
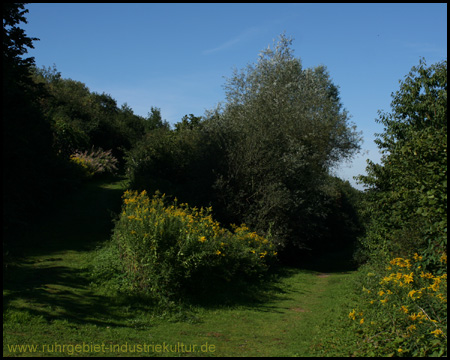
pixel 323 275
pixel 298 309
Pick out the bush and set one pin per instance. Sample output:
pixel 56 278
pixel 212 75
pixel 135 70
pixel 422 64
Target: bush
pixel 95 162
pixel 404 309
pixel 167 251
pixel 178 163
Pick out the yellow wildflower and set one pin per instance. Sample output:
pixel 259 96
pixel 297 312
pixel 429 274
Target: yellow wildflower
pixel 408 278
pixel 415 316
pixel 351 315
pixel 405 309
pixel 427 275
pixel 361 321
pixel 202 239
pixel 437 332
pixel 417 257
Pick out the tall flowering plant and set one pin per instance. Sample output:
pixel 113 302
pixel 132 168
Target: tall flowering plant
pixel 405 310
pixel 168 249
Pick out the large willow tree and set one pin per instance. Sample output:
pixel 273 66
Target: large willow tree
pixel 282 129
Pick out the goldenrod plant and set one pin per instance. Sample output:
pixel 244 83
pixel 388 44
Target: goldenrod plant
pixel 170 249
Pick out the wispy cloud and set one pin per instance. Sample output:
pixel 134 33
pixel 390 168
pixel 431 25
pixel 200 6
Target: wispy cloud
pixel 247 34
pixel 424 47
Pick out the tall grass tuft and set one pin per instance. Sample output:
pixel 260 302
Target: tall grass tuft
pixel 95 162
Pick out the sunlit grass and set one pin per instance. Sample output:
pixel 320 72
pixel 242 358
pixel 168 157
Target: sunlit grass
pixel 48 300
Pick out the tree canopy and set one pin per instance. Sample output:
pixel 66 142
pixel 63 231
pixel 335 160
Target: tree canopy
pixel 408 189
pixel 282 128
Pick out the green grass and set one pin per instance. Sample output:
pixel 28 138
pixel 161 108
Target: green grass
pixel 48 299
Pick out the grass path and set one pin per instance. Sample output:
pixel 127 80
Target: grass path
pixel 47 300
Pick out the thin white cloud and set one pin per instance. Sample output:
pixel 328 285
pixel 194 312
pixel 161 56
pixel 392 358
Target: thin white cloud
pixel 424 47
pixel 241 37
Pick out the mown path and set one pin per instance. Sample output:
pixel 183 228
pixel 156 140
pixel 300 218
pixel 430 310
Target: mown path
pixel 47 299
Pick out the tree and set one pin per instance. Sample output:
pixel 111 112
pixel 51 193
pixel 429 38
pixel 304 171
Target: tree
pixel 282 128
pixel 81 119
pixel 15 43
pixel 29 165
pixel 154 120
pixel 408 189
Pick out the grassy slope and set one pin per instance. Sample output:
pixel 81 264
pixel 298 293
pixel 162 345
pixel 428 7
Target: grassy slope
pixel 47 299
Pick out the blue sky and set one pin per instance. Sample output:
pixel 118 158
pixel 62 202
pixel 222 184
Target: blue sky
pixel 177 56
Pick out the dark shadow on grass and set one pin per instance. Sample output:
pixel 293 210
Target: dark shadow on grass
pixel 55 293
pixel 63 293
pixel 79 221
pixel 262 294
pixel 258 294
pixel 43 283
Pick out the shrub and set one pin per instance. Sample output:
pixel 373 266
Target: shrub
pixel 180 162
pixel 170 250
pixel 404 309
pixel 95 162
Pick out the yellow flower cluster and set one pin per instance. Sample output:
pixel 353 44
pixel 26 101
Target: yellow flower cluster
pixel 437 332
pixel 352 315
pixel 149 224
pixel 400 262
pixel 257 244
pixel 407 295
pixel 87 169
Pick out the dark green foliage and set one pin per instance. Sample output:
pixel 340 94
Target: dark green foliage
pixel 408 190
pixel 30 168
pixel 334 232
pixel 281 130
pixel 81 119
pixel 155 121
pixel 178 162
